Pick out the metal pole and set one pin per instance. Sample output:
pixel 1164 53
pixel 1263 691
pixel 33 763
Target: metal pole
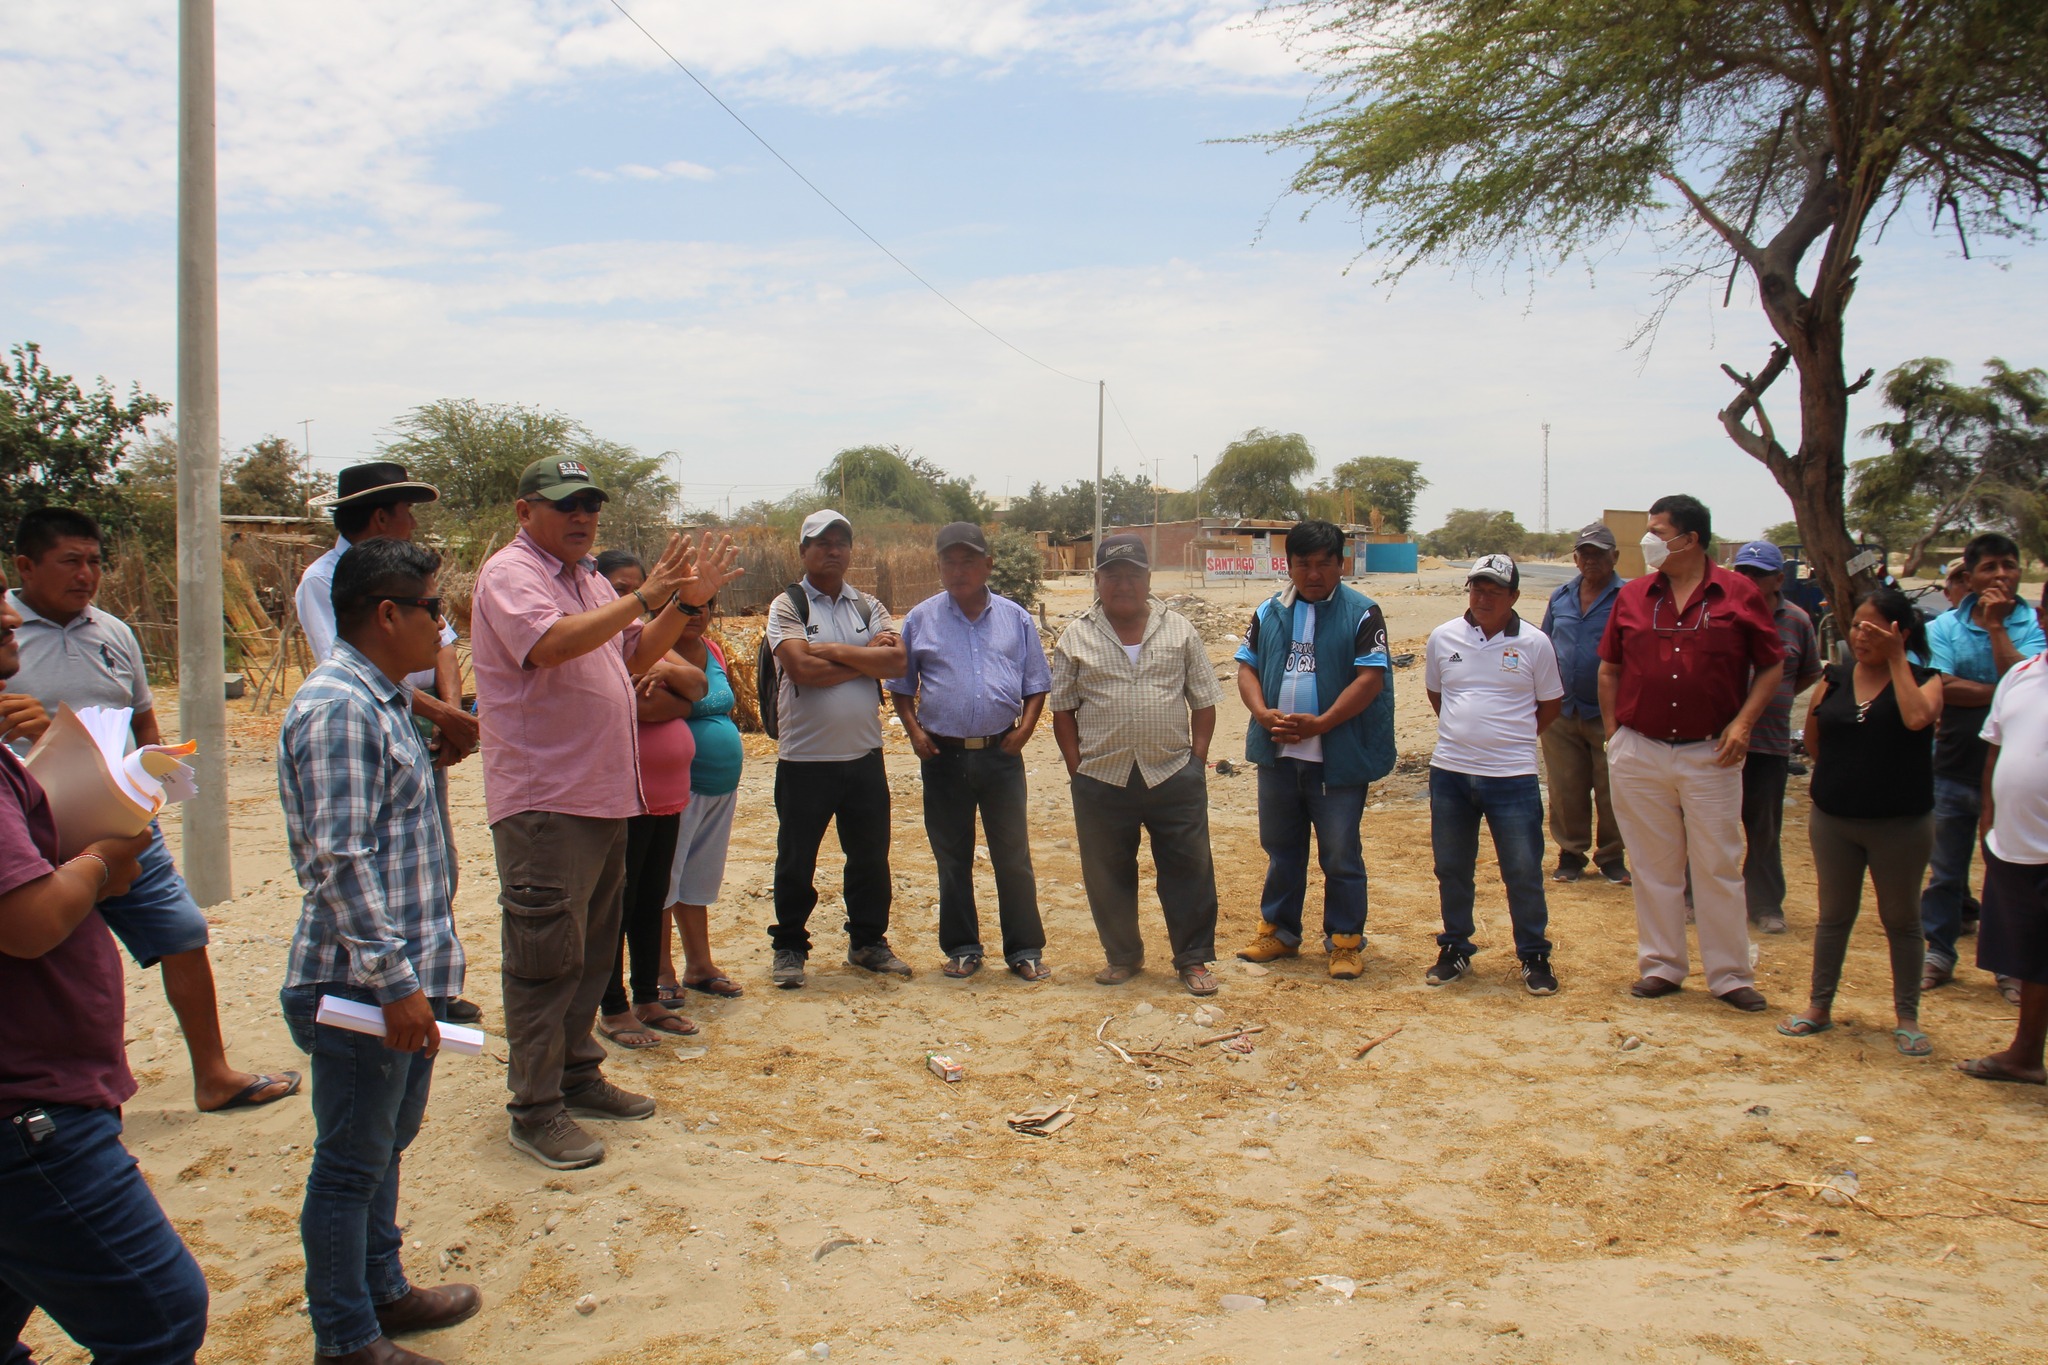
pixel 1101 388
pixel 1155 514
pixel 1545 516
pixel 202 700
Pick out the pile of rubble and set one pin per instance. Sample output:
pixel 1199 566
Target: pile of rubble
pixel 1218 623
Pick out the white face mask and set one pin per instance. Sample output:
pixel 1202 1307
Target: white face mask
pixel 1655 551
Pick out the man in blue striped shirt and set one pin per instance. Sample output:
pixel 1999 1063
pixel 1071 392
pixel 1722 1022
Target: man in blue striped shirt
pixel 366 840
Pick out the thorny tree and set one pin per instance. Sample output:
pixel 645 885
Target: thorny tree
pixel 1778 131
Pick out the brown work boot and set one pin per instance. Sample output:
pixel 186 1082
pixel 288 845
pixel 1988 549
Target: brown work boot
pixel 425 1310
pixel 1268 946
pixel 1347 960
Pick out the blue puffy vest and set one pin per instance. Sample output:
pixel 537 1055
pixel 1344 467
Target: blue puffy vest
pixel 1359 751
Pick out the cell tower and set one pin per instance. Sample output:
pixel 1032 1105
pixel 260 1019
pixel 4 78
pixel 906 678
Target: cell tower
pixel 1544 517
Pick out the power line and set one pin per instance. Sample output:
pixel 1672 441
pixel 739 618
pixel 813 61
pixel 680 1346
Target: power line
pixel 1126 425
pixel 791 168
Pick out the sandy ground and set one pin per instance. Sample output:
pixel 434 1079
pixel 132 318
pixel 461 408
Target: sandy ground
pixel 1508 1178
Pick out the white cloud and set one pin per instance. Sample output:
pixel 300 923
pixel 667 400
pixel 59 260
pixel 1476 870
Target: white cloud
pixel 669 170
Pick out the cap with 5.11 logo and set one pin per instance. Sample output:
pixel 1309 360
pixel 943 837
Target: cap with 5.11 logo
pixel 555 479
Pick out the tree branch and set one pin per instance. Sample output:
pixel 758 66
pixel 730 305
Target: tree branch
pixel 1728 232
pixel 1762 446
pixel 1862 383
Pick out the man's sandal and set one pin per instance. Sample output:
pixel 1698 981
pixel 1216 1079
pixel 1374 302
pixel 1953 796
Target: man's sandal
pixel 962 965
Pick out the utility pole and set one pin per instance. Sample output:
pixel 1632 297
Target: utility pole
pixel 1545 516
pixel 1101 389
pixel 1198 491
pixel 1155 514
pixel 202 698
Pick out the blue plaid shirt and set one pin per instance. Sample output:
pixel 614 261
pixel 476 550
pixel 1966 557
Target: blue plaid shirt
pixel 366 840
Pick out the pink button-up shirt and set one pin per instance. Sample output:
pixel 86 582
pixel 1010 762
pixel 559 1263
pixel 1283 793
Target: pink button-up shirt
pixel 555 739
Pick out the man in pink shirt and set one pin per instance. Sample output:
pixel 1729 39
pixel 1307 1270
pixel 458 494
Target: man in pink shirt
pixel 556 653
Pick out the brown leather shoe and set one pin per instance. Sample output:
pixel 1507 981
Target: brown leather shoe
pixel 1744 998
pixel 1115 974
pixel 423 1310
pixel 382 1351
pixel 1650 987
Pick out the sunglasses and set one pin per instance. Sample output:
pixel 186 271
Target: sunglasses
pixel 430 605
pixel 581 502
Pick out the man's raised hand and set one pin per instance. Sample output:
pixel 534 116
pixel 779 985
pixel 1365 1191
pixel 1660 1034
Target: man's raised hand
pixel 716 564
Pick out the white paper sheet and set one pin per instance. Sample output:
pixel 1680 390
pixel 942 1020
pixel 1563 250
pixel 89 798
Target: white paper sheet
pixel 357 1017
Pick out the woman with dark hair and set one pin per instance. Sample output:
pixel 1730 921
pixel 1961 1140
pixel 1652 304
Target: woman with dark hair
pixel 1870 733
pixel 667 749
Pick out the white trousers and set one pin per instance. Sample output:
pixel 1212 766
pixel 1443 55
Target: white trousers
pixel 1676 807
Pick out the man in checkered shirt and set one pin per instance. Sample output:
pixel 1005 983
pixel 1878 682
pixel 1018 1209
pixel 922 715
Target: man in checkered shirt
pixel 365 831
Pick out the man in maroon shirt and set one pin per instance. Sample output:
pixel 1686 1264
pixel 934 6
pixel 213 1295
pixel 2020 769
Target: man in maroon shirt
pixel 1679 699
pixel 81 1236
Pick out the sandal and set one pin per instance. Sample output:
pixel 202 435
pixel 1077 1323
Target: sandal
pixel 721 985
pixel 671 1023
pixel 1799 1026
pixel 620 1035
pixel 1912 1042
pixel 1030 969
pixel 668 995
pixel 1981 1068
pixel 1933 976
pixel 2009 987
pixel 962 965
pixel 1199 980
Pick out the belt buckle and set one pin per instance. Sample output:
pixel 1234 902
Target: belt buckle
pixel 978 742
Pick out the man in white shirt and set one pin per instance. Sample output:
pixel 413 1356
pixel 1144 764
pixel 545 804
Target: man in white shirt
pixel 2012 939
pixel 1493 682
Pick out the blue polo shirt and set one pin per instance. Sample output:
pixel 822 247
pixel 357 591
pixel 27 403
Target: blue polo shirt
pixel 1576 637
pixel 1959 647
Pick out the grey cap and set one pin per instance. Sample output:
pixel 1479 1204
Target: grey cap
pixel 1496 568
pixel 1122 549
pixel 1596 534
pixel 960 533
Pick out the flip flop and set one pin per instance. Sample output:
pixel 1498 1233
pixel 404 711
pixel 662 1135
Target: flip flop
pixel 614 1035
pixel 670 1023
pixel 668 997
pixel 1030 969
pixel 1800 1027
pixel 1974 1066
pixel 1199 980
pixel 1912 1042
pixel 962 965
pixel 245 1098
pixel 721 986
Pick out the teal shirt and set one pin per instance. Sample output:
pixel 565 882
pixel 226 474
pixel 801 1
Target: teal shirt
pixel 716 769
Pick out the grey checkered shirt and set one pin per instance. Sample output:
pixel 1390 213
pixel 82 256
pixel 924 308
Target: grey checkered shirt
pixel 366 840
pixel 1132 712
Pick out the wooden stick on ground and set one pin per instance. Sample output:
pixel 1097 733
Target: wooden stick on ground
pixel 1377 1041
pixel 1112 1046
pixel 788 1160
pixel 1234 1033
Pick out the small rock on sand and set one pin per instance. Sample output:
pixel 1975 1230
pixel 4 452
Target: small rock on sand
pixel 1241 1303
pixel 587 1305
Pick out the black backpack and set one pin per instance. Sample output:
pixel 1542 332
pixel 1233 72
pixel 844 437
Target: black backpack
pixel 768 671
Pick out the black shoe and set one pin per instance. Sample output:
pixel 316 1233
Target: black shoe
pixel 1566 872
pixel 880 958
pixel 1618 874
pixel 1451 963
pixel 1537 976
pixel 788 970
pixel 463 1012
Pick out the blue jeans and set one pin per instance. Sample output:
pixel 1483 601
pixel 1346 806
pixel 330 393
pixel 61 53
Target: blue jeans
pixel 1292 801
pixel 82 1238
pixel 367 1104
pixel 1513 810
pixel 1956 807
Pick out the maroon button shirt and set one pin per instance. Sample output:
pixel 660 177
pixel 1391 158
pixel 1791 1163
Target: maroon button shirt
pixel 1685 674
pixel 61 1013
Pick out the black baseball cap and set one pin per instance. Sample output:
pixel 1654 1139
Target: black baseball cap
pixel 1122 549
pixel 960 533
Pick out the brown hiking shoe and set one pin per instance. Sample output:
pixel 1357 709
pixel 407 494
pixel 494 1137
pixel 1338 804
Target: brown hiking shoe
pixel 1267 947
pixel 561 1143
pixel 603 1100
pixel 1347 961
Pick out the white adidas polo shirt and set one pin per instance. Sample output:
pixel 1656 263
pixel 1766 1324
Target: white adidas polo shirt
pixel 1490 688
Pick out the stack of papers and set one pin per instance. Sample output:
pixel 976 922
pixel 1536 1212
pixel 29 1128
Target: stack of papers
pixel 97 789
pixel 357 1017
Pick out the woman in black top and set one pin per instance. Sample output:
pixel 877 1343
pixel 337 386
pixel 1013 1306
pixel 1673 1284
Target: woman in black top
pixel 1870 734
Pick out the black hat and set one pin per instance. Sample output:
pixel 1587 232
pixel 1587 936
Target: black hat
pixel 381 481
pixel 960 533
pixel 1122 549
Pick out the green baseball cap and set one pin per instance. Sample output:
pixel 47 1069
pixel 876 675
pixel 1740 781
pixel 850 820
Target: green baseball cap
pixel 556 479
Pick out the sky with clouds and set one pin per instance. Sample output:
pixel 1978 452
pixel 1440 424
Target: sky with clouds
pixel 525 201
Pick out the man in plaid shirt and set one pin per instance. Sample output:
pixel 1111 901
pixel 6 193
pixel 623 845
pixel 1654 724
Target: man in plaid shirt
pixel 366 839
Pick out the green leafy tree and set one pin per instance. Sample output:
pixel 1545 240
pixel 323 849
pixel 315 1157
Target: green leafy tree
pixel 1378 481
pixel 1259 474
pixel 1019 571
pixel 1069 511
pixel 1765 136
pixel 876 478
pixel 269 479
pixel 1470 531
pixel 641 513
pixel 59 445
pixel 1783 533
pixel 1963 458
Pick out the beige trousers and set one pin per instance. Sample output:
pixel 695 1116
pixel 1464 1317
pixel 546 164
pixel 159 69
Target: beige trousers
pixel 1575 755
pixel 1678 810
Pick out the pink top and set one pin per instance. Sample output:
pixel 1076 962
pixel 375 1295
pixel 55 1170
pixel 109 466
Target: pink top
pixel 667 749
pixel 555 739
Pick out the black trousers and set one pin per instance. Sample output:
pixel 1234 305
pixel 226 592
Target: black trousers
pixel 853 794
pixel 650 850
pixel 1763 824
pixel 1108 822
pixel 956 784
